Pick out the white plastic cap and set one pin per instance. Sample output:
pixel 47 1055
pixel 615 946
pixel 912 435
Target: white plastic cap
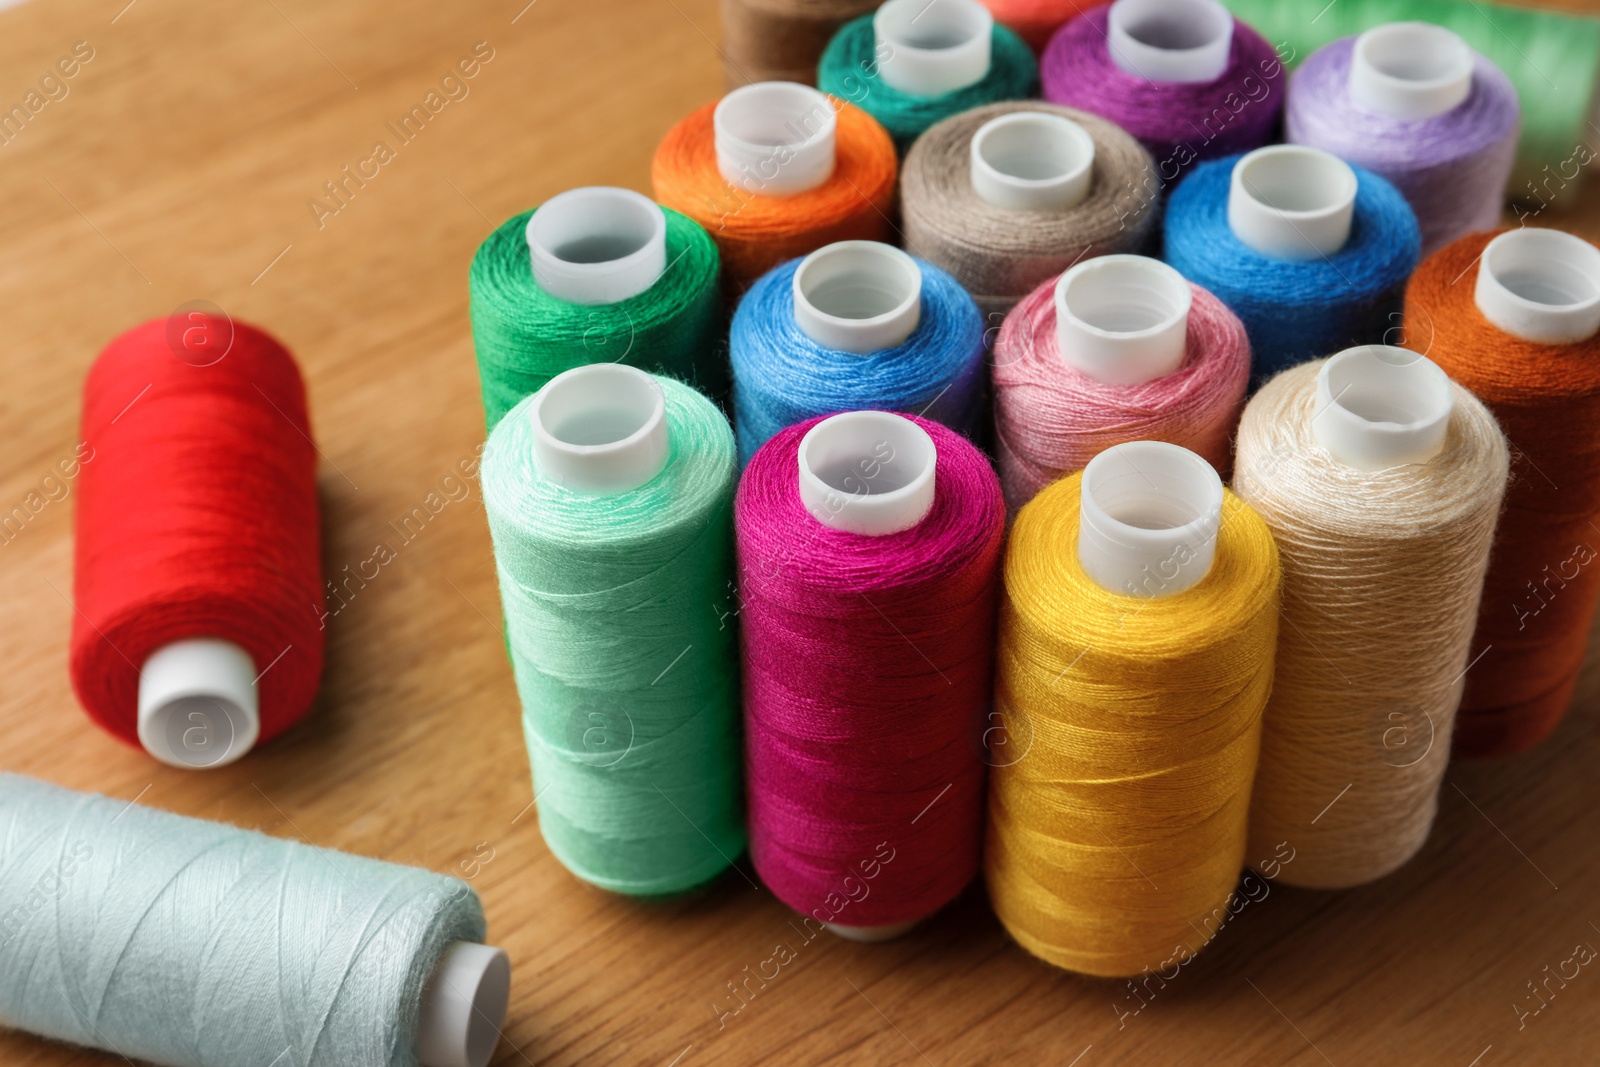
pixel 932 47
pixel 870 935
pixel 1032 161
pixel 1170 40
pixel 1410 70
pixel 198 705
pixel 597 245
pixel 1380 407
pixel 1540 285
pixel 1123 319
pixel 1149 519
pixel 867 472
pixel 463 1006
pixel 858 296
pixel 600 429
pixel 775 138
pixel 1292 202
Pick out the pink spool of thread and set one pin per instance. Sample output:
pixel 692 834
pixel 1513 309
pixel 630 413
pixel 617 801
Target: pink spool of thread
pixel 869 552
pixel 1119 348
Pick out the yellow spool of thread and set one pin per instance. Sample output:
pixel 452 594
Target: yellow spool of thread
pixel 1119 810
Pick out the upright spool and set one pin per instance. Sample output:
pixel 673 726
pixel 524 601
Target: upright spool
pixel 197 558
pixel 1523 339
pixel 775 170
pixel 855 325
pixel 1135 658
pixel 869 546
pixel 780 40
pixel 1005 196
pixel 594 275
pixel 1117 349
pixel 220 945
pixel 1381 480
pixel 1411 102
pixel 609 494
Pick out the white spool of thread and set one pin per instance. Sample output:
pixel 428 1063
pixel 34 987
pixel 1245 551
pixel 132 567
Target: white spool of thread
pixel 1123 319
pixel 933 47
pixel 597 245
pixel 600 429
pixel 775 138
pixel 1379 407
pixel 1540 285
pixel 1410 70
pixel 1032 161
pixel 198 703
pixel 1292 202
pixel 463 1006
pixel 858 296
pixel 1170 40
pixel 1149 519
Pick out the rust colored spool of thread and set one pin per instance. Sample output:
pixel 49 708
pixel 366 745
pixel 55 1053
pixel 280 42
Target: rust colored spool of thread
pixel 781 40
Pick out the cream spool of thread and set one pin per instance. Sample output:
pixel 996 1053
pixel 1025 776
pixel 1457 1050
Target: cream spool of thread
pixel 1005 196
pixel 1381 480
pixel 781 40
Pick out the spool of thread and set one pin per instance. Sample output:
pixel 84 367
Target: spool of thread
pixel 1523 339
pixel 1183 76
pixel 776 170
pixel 1411 102
pixel 855 325
pixel 1310 252
pixel 1036 20
pixel 610 496
pixel 197 562
pixel 869 548
pixel 780 40
pixel 1007 196
pixel 1135 657
pixel 916 62
pixel 1552 58
pixel 1117 349
pixel 594 275
pixel 189 943
pixel 1381 481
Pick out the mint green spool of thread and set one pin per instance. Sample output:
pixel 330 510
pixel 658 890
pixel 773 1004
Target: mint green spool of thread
pixel 524 336
pixel 1552 58
pixel 197 944
pixel 619 622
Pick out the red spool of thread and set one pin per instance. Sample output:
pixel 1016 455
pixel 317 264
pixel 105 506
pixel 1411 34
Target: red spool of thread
pixel 197 573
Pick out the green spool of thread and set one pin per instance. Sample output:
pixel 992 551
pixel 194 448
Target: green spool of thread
pixel 1553 60
pixel 610 495
pixel 609 308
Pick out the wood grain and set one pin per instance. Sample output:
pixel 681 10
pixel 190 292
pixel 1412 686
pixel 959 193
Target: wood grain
pixel 179 167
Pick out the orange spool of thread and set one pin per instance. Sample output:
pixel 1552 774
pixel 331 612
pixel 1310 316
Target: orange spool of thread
pixel 1035 20
pixel 1514 317
pixel 774 171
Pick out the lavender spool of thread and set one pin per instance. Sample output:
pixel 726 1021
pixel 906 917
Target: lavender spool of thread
pixel 1411 102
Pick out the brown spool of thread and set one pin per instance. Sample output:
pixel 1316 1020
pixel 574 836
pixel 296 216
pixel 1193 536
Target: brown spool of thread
pixel 1522 339
pixel 1063 195
pixel 781 40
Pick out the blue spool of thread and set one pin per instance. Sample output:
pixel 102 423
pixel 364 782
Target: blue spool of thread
pixel 1302 308
pixel 872 328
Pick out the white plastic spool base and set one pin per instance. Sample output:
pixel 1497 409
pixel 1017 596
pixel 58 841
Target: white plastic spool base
pixel 870 935
pixel 600 429
pixel 858 296
pixel 775 138
pixel 933 47
pixel 1379 407
pixel 1540 285
pixel 597 245
pixel 1149 519
pixel 1032 161
pixel 1410 70
pixel 1292 202
pixel 198 704
pixel 1170 40
pixel 463 1006
pixel 1123 319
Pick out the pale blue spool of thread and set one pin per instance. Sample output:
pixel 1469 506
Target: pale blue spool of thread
pixel 197 944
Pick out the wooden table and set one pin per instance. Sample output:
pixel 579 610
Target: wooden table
pixel 180 166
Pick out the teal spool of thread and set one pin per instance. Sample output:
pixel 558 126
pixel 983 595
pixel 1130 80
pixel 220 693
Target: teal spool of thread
pixel 620 621
pixel 197 944
pixel 524 336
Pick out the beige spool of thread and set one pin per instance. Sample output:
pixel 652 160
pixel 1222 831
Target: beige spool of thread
pixel 781 40
pixel 1381 480
pixel 1047 217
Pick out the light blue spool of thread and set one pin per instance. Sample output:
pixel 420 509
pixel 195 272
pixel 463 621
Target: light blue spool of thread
pixel 856 325
pixel 1300 302
pixel 197 944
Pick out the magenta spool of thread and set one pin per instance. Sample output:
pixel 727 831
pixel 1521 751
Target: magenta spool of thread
pixel 1185 77
pixel 1117 349
pixel 869 552
pixel 1411 102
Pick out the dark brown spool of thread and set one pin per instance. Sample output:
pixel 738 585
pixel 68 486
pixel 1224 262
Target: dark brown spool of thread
pixel 781 40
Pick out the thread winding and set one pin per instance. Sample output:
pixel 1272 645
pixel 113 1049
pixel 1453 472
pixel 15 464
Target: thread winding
pixel 1035 20
pixel 781 40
